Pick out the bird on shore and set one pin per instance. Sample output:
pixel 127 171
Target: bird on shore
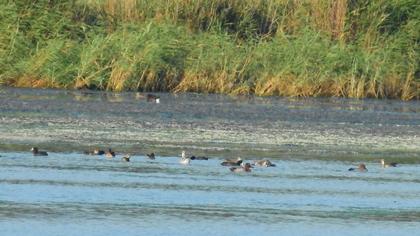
pixel 151 156
pixel 184 159
pixel 264 163
pixel 384 165
pixel 95 151
pixel 36 152
pixel 243 168
pixel 126 158
pixel 153 98
pixel 232 162
pixel 360 168
pixel 109 153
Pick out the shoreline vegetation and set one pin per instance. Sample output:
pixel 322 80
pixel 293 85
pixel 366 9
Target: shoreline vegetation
pixel 343 48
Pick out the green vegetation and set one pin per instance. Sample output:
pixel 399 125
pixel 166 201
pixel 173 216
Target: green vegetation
pixel 348 48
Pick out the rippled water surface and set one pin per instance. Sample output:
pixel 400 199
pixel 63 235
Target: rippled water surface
pixel 310 192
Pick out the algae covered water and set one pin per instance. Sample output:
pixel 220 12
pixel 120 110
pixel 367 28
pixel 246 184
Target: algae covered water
pixel 312 141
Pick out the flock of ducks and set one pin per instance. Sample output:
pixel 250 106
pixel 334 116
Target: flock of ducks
pixel 235 165
pixel 362 166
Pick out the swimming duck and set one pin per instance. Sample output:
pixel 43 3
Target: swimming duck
pixel 264 163
pixel 360 168
pixel 153 98
pixel 151 156
pixel 243 168
pixel 392 164
pixel 232 162
pixel 126 158
pixel 36 152
pixel 184 159
pixel 110 153
pixel 198 158
pixel 96 151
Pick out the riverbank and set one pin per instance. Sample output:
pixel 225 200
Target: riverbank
pixel 266 48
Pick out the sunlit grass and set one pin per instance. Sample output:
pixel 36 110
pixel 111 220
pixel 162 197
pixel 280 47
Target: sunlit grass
pixel 268 48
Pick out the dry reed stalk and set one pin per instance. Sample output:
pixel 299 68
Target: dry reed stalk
pixel 118 78
pixel 329 16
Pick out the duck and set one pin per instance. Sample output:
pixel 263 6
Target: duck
pixel 184 159
pixel 126 158
pixel 153 98
pixel 360 168
pixel 232 162
pixel 95 151
pixel 392 164
pixel 151 156
pixel 243 168
pixel 264 163
pixel 36 152
pixel 203 158
pixel 110 153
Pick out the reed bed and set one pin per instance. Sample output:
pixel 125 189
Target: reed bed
pixel 300 48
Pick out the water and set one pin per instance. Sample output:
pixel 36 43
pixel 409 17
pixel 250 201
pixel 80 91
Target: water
pixel 309 192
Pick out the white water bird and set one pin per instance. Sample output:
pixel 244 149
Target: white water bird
pixel 384 165
pixel 184 159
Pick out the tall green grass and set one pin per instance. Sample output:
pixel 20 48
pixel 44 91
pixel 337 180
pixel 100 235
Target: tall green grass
pixel 343 48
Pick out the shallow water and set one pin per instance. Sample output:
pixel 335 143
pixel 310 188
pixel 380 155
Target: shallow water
pixel 309 192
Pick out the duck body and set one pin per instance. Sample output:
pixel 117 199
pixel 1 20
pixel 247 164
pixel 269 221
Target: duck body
pixel 232 162
pixel 242 168
pixel 151 156
pixel 126 158
pixel 360 168
pixel 110 153
pixel 36 152
pixel 199 158
pixel 392 164
pixel 184 159
pixel 153 98
pixel 264 163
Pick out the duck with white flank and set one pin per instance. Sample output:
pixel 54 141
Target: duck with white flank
pixel 232 162
pixel 153 98
pixel 264 163
pixel 126 158
pixel 184 159
pixel 360 168
pixel 392 164
pixel 36 152
pixel 151 156
pixel 243 168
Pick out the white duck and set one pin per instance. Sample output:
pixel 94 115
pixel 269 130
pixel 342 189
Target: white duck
pixel 184 159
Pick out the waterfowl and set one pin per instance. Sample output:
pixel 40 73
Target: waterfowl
pixel 360 168
pixel 96 151
pixel 232 162
pixel 199 158
pixel 242 168
pixel 153 98
pixel 151 156
pixel 264 163
pixel 126 158
pixel 184 159
pixel 110 153
pixel 392 164
pixel 36 152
